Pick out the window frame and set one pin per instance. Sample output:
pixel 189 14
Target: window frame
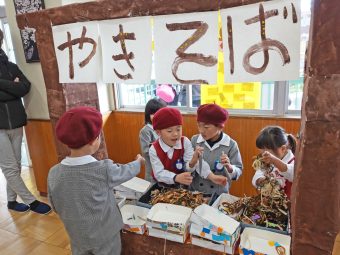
pixel 280 103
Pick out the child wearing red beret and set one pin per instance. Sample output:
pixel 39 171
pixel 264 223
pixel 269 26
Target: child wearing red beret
pixel 80 188
pixel 147 135
pixel 220 152
pixel 172 156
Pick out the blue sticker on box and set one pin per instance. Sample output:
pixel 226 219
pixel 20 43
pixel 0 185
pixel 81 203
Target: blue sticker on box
pixel 217 238
pixel 206 230
pixel 164 226
pixel 248 252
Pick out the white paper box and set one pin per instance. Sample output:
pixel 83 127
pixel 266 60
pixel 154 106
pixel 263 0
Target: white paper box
pixel 120 201
pixel 224 197
pixel 169 217
pixel 210 235
pixel 263 242
pixel 195 240
pixel 134 218
pixel 168 235
pixel 132 189
pixel 212 219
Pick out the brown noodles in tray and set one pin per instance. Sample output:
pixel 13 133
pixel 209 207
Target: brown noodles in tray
pixel 177 197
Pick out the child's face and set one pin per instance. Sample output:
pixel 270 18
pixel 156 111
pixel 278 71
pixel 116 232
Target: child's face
pixel 208 131
pixel 170 135
pixel 279 152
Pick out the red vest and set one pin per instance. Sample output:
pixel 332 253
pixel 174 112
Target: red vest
pixel 288 184
pixel 169 164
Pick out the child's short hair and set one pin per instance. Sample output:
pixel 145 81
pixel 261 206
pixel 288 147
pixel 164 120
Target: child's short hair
pixel 79 126
pixel 151 107
pixel 273 137
pixel 212 114
pixel 167 117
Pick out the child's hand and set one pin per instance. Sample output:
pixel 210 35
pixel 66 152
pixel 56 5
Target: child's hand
pixel 226 162
pixel 260 181
pixel 197 153
pixel 218 179
pixel 267 157
pixel 16 79
pixel 184 178
pixel 140 159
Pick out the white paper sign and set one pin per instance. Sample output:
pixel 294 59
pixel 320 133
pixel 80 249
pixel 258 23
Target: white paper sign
pixel 186 48
pixel 76 47
pixel 126 49
pixel 275 55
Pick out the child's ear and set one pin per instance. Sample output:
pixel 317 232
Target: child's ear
pixel 158 132
pixel 92 142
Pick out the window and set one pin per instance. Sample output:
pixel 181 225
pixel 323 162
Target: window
pixel 7 42
pixel 263 98
pixel 295 88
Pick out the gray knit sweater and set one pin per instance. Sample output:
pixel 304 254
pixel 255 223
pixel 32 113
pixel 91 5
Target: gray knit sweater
pixel 210 155
pixel 83 197
pixel 146 137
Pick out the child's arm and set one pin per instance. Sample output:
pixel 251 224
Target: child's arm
pixel 190 156
pixel 204 170
pixel 50 180
pixel 289 174
pixel 286 170
pixel 217 179
pixel 50 199
pixel 233 161
pixel 117 174
pixel 145 140
pixel 166 176
pixel 269 158
pixel 195 157
pixel 258 178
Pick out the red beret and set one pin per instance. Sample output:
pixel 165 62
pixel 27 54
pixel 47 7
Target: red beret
pixel 79 126
pixel 212 114
pixel 166 117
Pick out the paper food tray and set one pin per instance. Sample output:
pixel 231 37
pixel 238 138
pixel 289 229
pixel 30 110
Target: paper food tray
pixel 287 231
pixel 132 189
pixel 224 197
pixel 258 241
pixel 169 217
pixel 120 201
pixel 198 241
pixel 134 218
pixel 137 184
pixel 207 233
pixel 167 235
pixel 219 222
pixel 145 199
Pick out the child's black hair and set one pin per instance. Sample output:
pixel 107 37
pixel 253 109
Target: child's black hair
pixel 151 107
pixel 273 137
